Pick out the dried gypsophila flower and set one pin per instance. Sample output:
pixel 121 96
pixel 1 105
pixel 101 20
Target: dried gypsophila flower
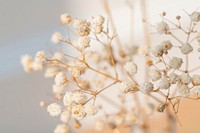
pixel 130 68
pixel 60 78
pixel 67 99
pixel 143 50
pixel 175 62
pixel 84 41
pixel 183 90
pixel 79 98
pixel 51 72
pixel 126 86
pixel 186 48
pixel 57 38
pixel 164 83
pixel 54 109
pixel 27 62
pixel 65 18
pixel 195 16
pixel 162 28
pixel 58 89
pixel 185 78
pixel 78 112
pixel 146 87
pixel 154 75
pixel 196 80
pixel 173 78
pixel 39 57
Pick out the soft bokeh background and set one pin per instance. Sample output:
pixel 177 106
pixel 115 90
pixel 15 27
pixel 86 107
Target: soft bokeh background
pixel 26 27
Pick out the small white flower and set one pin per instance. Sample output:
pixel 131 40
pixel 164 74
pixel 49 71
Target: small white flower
pixel 164 83
pixel 27 62
pixel 40 57
pixel 54 109
pixel 91 109
pixel 162 27
pixel 75 72
pixel 126 86
pixel 175 62
pixel 185 78
pixel 51 72
pixel 61 128
pixel 58 89
pixel 196 80
pixel 78 112
pixel 154 75
pixel 173 78
pixel 56 38
pixel 143 50
pixel 67 99
pixel 99 125
pixel 84 41
pixel 146 87
pixel 183 90
pixel 130 68
pixel 36 66
pixel 158 51
pixel 65 116
pixel 77 23
pixel 195 16
pixel 98 20
pixel 84 30
pixel 186 48
pixel 65 18
pixel 196 91
pixel 60 78
pixel 79 97
pixel 167 45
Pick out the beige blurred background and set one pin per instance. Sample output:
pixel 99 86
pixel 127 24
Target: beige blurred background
pixel 26 27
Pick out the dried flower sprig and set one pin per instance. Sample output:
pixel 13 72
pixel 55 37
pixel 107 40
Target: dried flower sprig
pixel 91 72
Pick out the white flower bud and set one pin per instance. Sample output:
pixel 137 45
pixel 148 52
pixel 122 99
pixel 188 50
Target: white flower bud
pixel 158 51
pixel 27 62
pixel 79 97
pixel 126 86
pixel 36 66
pixel 39 57
pixel 67 99
pixel 186 48
pixel 56 38
pixel 173 78
pixel 183 90
pixel 195 16
pixel 60 78
pixel 77 23
pixel 54 109
pixel 51 72
pixel 78 112
pixel 65 18
pixel 146 87
pixel 164 83
pixel 155 75
pixel 167 45
pixel 84 41
pixel 196 80
pixel 175 62
pixel 162 27
pixel 185 78
pixel 130 68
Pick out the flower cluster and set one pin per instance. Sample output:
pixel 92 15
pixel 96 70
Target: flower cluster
pixel 81 79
